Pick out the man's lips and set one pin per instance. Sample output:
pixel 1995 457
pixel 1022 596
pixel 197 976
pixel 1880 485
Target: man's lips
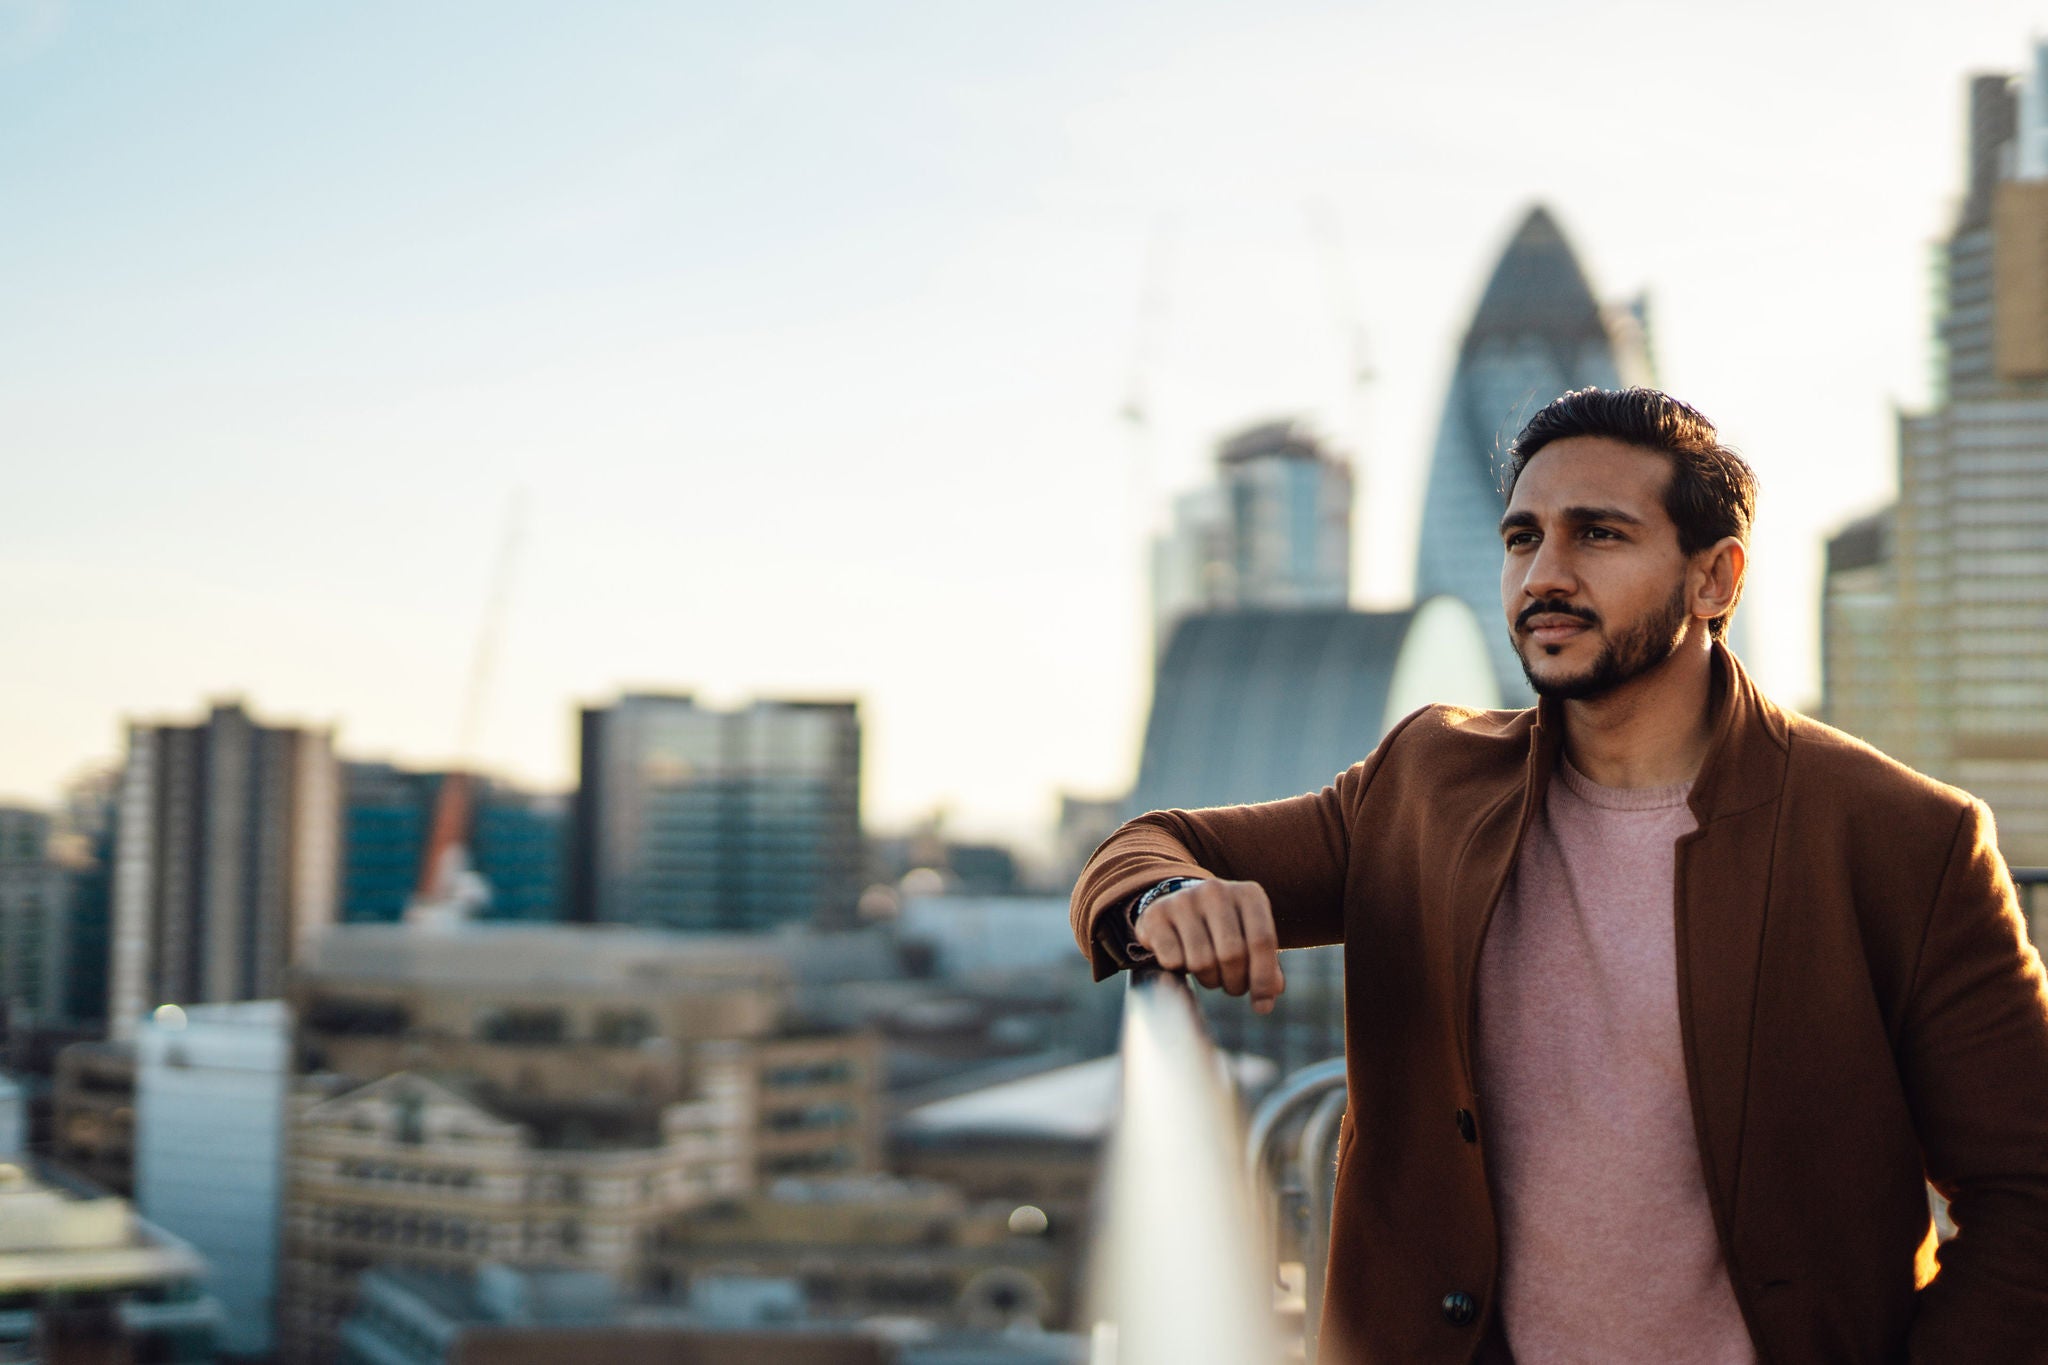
pixel 1550 627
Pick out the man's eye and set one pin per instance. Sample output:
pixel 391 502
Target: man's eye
pixel 1600 533
pixel 1521 539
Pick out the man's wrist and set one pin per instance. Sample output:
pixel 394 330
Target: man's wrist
pixel 1158 891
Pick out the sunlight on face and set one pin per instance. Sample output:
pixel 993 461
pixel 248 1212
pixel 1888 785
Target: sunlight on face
pixel 1592 579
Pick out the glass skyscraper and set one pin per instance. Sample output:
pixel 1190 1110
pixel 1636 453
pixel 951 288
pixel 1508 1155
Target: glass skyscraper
pixel 1538 332
pixel 1945 663
pixel 693 818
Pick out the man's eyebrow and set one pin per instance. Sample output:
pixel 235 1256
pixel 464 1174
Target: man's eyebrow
pixel 1581 515
pixel 1577 516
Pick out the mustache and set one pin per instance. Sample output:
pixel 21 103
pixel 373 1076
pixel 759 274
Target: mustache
pixel 1585 614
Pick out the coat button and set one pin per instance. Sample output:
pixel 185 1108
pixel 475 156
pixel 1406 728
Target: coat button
pixel 1459 1309
pixel 1467 1129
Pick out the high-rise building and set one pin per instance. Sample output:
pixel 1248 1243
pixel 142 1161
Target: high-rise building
pixel 517 842
pixel 210 1091
pixel 224 860
pixel 1937 635
pixel 1539 331
pixel 82 842
pixel 694 818
pixel 1274 530
pixel 37 896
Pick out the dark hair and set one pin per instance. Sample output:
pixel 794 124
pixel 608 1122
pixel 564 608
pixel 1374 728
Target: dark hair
pixel 1712 493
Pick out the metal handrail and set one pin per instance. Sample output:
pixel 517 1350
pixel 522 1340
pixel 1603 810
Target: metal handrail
pixel 1302 1088
pixel 1183 1266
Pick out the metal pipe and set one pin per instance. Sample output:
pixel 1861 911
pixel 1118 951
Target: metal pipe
pixel 1183 1267
pixel 1308 1084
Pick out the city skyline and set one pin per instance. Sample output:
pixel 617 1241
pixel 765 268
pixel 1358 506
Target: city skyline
pixel 806 336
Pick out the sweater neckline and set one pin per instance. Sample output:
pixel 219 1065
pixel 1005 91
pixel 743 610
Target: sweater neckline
pixel 1621 798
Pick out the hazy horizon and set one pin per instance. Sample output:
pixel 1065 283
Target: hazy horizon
pixel 804 333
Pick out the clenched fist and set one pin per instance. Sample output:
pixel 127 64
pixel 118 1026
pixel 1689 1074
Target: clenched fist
pixel 1220 933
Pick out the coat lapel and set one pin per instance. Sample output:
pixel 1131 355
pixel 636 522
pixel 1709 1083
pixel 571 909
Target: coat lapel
pixel 1483 869
pixel 1723 886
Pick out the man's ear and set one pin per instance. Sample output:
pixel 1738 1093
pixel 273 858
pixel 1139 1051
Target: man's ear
pixel 1716 578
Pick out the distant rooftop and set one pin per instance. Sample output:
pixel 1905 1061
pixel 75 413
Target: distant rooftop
pixel 592 956
pixel 598 957
pixel 1272 440
pixel 56 1236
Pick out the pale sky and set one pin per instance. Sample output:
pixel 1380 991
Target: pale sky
pixel 803 330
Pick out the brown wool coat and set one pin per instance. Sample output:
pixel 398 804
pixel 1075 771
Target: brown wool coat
pixel 1859 1007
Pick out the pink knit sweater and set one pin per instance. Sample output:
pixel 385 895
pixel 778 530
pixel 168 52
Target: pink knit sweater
pixel 1608 1245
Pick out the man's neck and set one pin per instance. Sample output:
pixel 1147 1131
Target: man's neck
pixel 1653 731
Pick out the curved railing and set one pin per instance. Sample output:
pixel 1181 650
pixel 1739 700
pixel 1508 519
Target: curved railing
pixel 1183 1270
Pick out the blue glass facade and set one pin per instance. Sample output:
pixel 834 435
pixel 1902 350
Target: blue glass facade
pixel 516 844
pixel 699 819
pixel 1538 332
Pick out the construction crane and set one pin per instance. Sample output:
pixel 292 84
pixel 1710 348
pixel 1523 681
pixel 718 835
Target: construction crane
pixel 449 889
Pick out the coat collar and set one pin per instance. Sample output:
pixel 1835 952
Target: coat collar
pixel 1745 762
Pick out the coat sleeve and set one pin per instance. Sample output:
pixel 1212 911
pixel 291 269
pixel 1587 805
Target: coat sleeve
pixel 1974 1059
pixel 1298 849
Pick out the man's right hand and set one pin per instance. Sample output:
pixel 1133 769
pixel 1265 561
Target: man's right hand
pixel 1220 933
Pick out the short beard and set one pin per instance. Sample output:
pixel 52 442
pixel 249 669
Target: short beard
pixel 1638 650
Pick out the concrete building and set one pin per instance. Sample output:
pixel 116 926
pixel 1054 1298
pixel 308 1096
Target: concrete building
pixel 1866 678
pixel 92 1122
pixel 693 818
pixel 210 1095
pixel 517 842
pixel 82 1278
pixel 1274 530
pixel 1950 590
pixel 224 861
pixel 545 1096
pixel 1538 332
pixel 869 1246
pixel 13 1120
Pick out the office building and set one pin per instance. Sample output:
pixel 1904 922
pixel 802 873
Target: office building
pixel 210 1092
pixel 224 860
pixel 1538 332
pixel 694 818
pixel 1273 530
pixel 83 1279
pixel 1935 614
pixel 37 896
pixel 517 843
pixel 82 842
pixel 92 1122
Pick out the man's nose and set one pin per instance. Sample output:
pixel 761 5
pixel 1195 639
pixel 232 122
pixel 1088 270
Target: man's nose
pixel 1547 572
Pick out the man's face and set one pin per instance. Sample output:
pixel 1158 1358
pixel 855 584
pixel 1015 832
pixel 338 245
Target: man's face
pixel 1593 582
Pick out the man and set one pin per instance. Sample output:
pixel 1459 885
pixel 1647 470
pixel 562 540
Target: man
pixel 1663 1003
